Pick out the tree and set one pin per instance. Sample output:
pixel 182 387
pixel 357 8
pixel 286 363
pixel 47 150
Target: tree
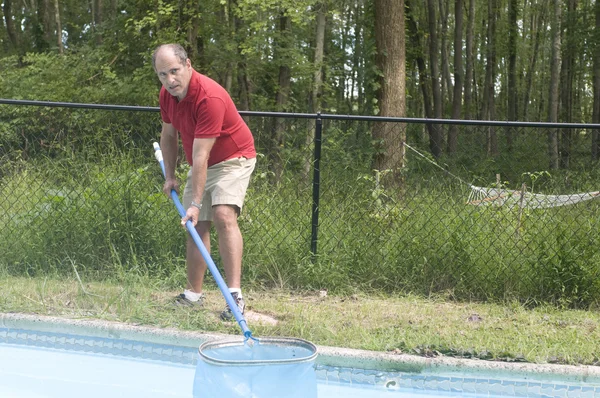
pixel 391 59
pixel 42 29
pixel 417 48
pixel 553 98
pixel 596 84
pixel 470 60
pixel 458 75
pixel 241 44
pixel 243 84
pixel 489 92
pixel 446 78
pixel 11 29
pixel 61 48
pixel 283 89
pixel 536 34
pixel 193 13
pixel 97 16
pixel 512 67
pixel 567 72
pixel 314 99
pixel 435 136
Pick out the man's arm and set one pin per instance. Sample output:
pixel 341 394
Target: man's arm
pixel 169 146
pixel 200 154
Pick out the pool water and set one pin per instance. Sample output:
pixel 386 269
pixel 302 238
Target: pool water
pixel 28 372
pixel 45 364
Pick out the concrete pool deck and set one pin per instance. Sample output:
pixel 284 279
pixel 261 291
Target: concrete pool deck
pixel 327 356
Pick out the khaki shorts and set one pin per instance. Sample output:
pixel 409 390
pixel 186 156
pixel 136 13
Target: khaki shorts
pixel 226 184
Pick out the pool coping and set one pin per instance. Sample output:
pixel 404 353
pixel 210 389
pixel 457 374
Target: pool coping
pixel 327 356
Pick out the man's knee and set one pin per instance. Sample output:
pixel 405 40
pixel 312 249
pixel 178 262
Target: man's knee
pixel 225 216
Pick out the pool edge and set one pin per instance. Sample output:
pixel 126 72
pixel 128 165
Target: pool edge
pixel 327 356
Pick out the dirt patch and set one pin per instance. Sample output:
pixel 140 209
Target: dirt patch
pixel 261 319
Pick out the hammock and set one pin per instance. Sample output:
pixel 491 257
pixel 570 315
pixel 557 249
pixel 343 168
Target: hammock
pixel 505 197
pixel 480 196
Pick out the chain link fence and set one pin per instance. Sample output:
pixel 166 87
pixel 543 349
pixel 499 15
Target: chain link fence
pixel 471 210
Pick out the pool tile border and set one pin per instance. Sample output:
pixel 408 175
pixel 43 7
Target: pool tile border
pixel 333 365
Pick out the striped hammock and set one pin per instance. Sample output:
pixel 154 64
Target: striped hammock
pixel 505 197
pixel 480 196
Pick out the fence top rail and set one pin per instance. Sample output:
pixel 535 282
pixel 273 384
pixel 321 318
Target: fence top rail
pixel 291 115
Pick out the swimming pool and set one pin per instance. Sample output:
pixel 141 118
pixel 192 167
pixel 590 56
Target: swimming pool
pixel 41 359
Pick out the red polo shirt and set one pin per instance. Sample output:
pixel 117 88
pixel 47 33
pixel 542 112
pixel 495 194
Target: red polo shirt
pixel 207 111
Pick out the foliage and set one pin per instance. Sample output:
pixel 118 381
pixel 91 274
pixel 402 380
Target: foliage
pixel 238 43
pixel 84 76
pixel 110 216
pixel 103 219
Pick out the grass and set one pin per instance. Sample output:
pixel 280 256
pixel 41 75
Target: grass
pixel 107 214
pixel 400 324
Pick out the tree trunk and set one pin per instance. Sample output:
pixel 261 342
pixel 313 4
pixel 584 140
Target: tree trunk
pixel 227 82
pixel 359 57
pixel 357 61
pixel 41 26
pixel 446 75
pixel 537 32
pixel 415 39
pixel 345 38
pixel 98 19
pixel 47 21
pixel 242 69
pixel 284 81
pixel 193 29
pixel 10 26
pixel 458 75
pixel 469 73
pixel 283 90
pixel 435 139
pixel 554 85
pixel 512 69
pixel 315 97
pixel 489 92
pixel 567 77
pixel 317 86
pixel 58 27
pixel 391 60
pixel 596 85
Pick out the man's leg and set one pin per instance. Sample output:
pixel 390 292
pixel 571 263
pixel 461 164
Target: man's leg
pixel 231 244
pixel 196 266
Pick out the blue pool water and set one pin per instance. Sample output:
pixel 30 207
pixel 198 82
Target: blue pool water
pixel 35 364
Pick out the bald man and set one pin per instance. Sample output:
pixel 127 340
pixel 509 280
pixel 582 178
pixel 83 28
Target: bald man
pixel 219 147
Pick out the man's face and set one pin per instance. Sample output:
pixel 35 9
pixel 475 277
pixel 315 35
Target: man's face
pixel 174 76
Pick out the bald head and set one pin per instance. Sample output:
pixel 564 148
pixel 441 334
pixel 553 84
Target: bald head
pixel 173 68
pixel 172 49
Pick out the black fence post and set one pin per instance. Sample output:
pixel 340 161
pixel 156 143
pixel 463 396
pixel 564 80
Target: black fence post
pixel 316 186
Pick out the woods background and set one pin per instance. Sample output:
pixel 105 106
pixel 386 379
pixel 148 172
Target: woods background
pixel 493 60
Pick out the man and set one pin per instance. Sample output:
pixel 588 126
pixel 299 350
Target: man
pixel 219 147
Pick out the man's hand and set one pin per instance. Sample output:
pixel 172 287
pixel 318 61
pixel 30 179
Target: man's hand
pixel 192 215
pixel 169 185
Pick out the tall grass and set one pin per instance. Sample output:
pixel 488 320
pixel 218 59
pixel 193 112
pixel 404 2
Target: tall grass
pixel 107 219
pixel 103 217
pixel 77 200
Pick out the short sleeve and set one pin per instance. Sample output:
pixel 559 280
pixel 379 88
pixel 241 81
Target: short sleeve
pixel 210 117
pixel 163 102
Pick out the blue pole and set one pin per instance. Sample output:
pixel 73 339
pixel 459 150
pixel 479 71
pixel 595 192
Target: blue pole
pixel 205 254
